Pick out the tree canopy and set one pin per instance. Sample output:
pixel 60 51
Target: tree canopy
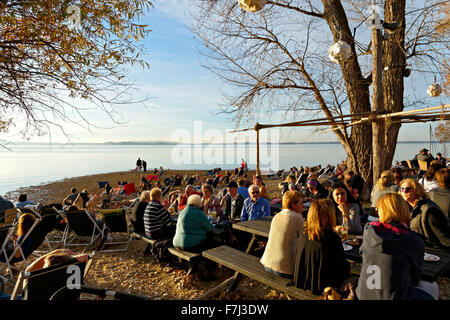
pixel 277 60
pixel 53 53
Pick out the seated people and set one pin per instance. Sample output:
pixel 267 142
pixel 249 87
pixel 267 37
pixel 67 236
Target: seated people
pixel 288 184
pixel 286 227
pixel 315 190
pixel 157 220
pixel 385 184
pixel 70 199
pixel 143 184
pixel 242 189
pixel 138 210
pixel 346 207
pixel 25 223
pixel 428 181
pixel 5 204
pixel 427 218
pixel 397 252
pixel 255 207
pixel 233 201
pixel 356 180
pixel 398 175
pixel 210 202
pixel 262 188
pixel 188 191
pixel 58 256
pixel 441 195
pixel 22 201
pixel 319 260
pixel 193 227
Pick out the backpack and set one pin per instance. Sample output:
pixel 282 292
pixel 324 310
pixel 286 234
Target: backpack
pixel 161 250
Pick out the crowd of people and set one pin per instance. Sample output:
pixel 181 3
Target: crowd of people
pixel 405 212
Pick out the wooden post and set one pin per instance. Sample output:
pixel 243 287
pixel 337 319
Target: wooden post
pixel 257 149
pixel 377 105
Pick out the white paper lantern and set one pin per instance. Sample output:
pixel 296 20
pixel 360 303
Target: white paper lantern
pixel 340 52
pixel 252 5
pixel 434 90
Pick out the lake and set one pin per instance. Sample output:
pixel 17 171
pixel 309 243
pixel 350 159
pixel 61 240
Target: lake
pixel 32 164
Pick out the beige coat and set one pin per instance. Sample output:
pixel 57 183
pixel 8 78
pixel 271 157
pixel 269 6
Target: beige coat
pixel 285 229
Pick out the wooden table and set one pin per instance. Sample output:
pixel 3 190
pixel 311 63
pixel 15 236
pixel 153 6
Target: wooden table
pixel 430 270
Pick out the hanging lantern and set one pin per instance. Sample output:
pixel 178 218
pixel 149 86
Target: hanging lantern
pixel 434 90
pixel 252 5
pixel 340 52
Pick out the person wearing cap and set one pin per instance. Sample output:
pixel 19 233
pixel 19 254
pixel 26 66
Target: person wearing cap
pixel 423 156
pixel 441 159
pixel 233 201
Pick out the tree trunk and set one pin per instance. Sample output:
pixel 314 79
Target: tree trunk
pixel 395 61
pixel 357 92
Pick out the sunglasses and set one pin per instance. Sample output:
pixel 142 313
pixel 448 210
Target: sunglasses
pixel 406 190
pixel 254 192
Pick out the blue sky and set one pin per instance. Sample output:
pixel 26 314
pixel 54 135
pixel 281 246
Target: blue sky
pixel 184 92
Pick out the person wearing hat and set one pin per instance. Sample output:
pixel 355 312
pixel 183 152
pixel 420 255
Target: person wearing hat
pixel 424 156
pixel 441 159
pixel 233 201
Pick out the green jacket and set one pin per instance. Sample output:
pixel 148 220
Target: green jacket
pixel 192 227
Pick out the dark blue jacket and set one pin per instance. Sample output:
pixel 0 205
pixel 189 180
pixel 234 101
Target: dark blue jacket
pixel 392 263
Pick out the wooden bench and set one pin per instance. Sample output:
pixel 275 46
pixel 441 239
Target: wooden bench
pixel 190 257
pixel 251 267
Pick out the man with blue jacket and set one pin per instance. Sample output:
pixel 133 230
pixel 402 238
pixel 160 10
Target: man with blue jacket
pixel 255 207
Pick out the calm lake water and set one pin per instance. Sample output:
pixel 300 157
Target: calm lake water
pixel 32 164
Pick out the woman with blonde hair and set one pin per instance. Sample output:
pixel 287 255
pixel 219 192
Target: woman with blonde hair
pixel 397 253
pixel 427 218
pixel 26 221
pixel 385 184
pixel 319 260
pixel 285 229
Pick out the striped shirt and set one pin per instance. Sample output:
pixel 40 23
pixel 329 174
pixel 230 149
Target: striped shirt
pixel 156 218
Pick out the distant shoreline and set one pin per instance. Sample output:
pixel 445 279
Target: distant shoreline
pixel 161 143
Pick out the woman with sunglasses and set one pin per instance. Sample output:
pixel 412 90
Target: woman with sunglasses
pixel 427 218
pixel 346 208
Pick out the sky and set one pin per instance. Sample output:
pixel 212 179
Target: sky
pixel 185 97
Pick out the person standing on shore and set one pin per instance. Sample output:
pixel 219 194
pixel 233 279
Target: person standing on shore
pixel 138 164
pixel 144 165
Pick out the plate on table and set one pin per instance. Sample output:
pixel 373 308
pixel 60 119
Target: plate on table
pixel 430 257
pixel 347 247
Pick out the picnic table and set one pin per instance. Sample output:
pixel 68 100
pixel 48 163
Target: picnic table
pixel 430 269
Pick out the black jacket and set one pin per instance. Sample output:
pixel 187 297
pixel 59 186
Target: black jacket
pixel 320 264
pixel 430 221
pixel 233 209
pixel 392 263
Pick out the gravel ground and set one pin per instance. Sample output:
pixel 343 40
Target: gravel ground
pixel 130 271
